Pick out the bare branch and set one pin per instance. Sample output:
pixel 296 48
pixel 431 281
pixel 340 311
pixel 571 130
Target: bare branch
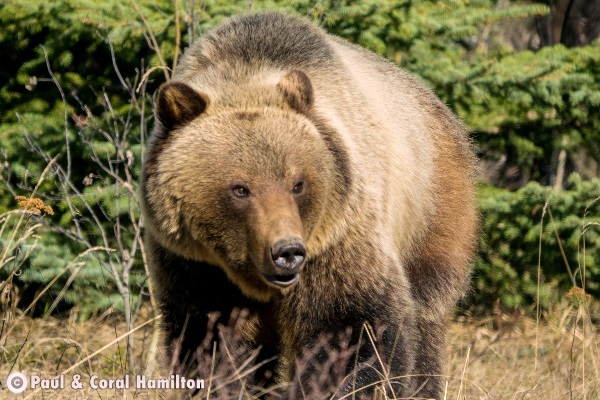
pixel 155 45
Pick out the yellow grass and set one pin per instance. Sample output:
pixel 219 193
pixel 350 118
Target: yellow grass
pixel 487 358
pixel 501 363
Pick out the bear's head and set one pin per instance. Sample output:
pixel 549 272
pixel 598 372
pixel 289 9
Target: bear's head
pixel 242 188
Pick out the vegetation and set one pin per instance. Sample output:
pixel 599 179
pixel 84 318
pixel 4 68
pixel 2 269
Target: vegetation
pixel 76 94
pixel 73 91
pixel 534 228
pixel 503 357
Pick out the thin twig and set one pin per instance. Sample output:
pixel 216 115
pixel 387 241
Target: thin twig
pixel 177 35
pixel 154 43
pixel 539 277
pixel 64 101
pixel 562 250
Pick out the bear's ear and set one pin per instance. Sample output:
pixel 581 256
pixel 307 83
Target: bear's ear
pixel 297 90
pixel 177 103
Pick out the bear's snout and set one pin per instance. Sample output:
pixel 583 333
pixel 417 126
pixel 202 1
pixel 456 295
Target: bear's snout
pixel 288 258
pixel 288 254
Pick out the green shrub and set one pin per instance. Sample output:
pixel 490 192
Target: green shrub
pixel 510 248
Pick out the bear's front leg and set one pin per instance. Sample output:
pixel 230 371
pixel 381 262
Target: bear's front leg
pixel 384 358
pixel 196 300
pixel 364 349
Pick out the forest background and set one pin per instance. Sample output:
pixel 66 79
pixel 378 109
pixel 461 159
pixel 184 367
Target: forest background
pixel 77 85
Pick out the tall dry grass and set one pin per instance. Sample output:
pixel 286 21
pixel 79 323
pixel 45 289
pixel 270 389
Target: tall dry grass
pixel 485 360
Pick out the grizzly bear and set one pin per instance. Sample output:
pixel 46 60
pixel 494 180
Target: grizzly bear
pixel 320 188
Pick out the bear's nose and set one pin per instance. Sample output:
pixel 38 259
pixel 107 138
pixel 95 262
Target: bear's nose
pixel 288 255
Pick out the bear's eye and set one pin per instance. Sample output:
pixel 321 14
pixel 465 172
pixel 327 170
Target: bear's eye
pixel 240 191
pixel 298 187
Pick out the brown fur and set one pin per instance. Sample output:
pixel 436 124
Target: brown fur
pixel 336 151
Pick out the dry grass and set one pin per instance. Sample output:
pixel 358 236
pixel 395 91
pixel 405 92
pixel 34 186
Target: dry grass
pixel 491 358
pixel 504 364
pixel 51 347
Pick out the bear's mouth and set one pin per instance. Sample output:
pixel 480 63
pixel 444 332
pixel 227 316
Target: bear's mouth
pixel 282 280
